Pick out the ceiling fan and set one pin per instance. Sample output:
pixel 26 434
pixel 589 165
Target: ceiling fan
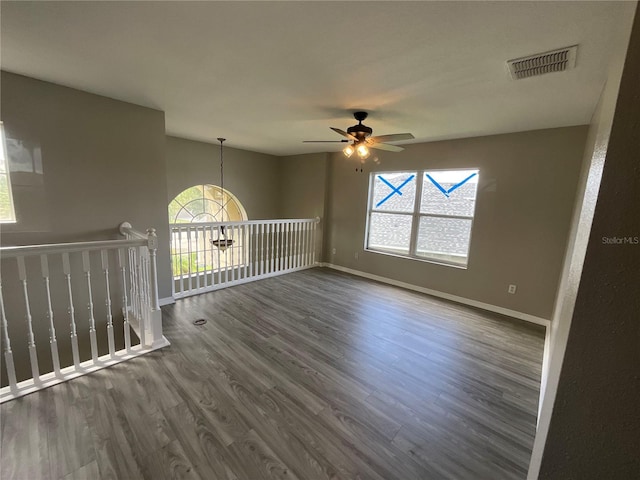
pixel 359 139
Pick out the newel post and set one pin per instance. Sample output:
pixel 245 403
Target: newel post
pixel 156 313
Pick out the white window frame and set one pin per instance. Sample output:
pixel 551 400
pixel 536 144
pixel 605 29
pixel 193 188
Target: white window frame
pixel 416 216
pixel 5 159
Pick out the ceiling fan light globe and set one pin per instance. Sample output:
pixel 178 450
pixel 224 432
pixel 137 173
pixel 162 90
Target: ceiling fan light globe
pixel 348 151
pixel 363 151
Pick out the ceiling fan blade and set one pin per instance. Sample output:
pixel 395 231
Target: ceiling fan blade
pixel 396 137
pixel 325 141
pixel 343 133
pixel 385 146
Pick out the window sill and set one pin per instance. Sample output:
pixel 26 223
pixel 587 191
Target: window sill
pixel 419 259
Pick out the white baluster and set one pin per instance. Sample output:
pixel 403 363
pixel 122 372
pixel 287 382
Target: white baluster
pixel 105 270
pixel 288 244
pixel 245 249
pixel 309 244
pixel 133 281
pixel 283 244
pixel 197 259
pixel 147 291
pixel 174 264
pixel 125 309
pixel 231 249
pixel 271 245
pixel 209 237
pixel 276 234
pixel 86 266
pixel 155 315
pixel 303 240
pixel 253 249
pixel 274 246
pixel 294 230
pixel 225 251
pixel 296 246
pixel 301 248
pixel 66 268
pixel 218 254
pixel 206 247
pixel 215 254
pixel 283 249
pixel 254 269
pixel 140 295
pixel 306 244
pixel 53 342
pixel 261 248
pixel 189 251
pixel 180 281
pixel 283 234
pixel 292 250
pixel 303 251
pixel 8 353
pixel 265 234
pixel 274 251
pixel 35 370
pixel 144 293
pixel 313 258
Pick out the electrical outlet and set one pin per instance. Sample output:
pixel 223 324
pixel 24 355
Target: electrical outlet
pixel 512 289
pixel 355 255
pixel 333 251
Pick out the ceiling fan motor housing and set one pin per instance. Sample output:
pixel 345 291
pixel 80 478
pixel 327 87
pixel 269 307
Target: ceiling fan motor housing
pixel 360 131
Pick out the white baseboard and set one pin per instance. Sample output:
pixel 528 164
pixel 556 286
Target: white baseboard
pixel 166 301
pixel 454 298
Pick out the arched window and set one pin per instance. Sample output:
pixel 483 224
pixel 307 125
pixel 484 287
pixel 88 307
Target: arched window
pixel 205 203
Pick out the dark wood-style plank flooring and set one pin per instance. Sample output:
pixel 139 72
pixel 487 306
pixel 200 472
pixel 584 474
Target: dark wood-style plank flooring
pixel 311 375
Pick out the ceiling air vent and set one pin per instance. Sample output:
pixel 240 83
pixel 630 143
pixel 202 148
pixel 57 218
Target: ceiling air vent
pixel 547 62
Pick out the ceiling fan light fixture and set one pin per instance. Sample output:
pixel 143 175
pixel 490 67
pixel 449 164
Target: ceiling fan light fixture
pixel 363 151
pixel 348 151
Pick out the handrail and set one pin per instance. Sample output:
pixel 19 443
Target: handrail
pixel 246 222
pixel 24 250
pixel 127 230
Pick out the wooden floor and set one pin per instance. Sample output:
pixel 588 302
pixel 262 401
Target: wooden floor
pixel 310 375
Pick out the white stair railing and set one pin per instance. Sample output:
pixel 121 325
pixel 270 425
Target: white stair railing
pixel 258 249
pixel 120 275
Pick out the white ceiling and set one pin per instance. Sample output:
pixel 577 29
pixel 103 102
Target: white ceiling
pixel 267 75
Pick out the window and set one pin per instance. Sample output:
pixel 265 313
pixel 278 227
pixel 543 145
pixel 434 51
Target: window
pixel 7 212
pixel 425 215
pixel 205 203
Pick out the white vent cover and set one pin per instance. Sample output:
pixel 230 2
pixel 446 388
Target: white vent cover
pixel 541 63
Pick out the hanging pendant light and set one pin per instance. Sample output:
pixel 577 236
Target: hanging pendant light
pixel 222 242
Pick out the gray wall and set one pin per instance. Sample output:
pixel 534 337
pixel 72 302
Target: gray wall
pixel 103 162
pixel 525 198
pixel 303 185
pixel 252 177
pixel 595 424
